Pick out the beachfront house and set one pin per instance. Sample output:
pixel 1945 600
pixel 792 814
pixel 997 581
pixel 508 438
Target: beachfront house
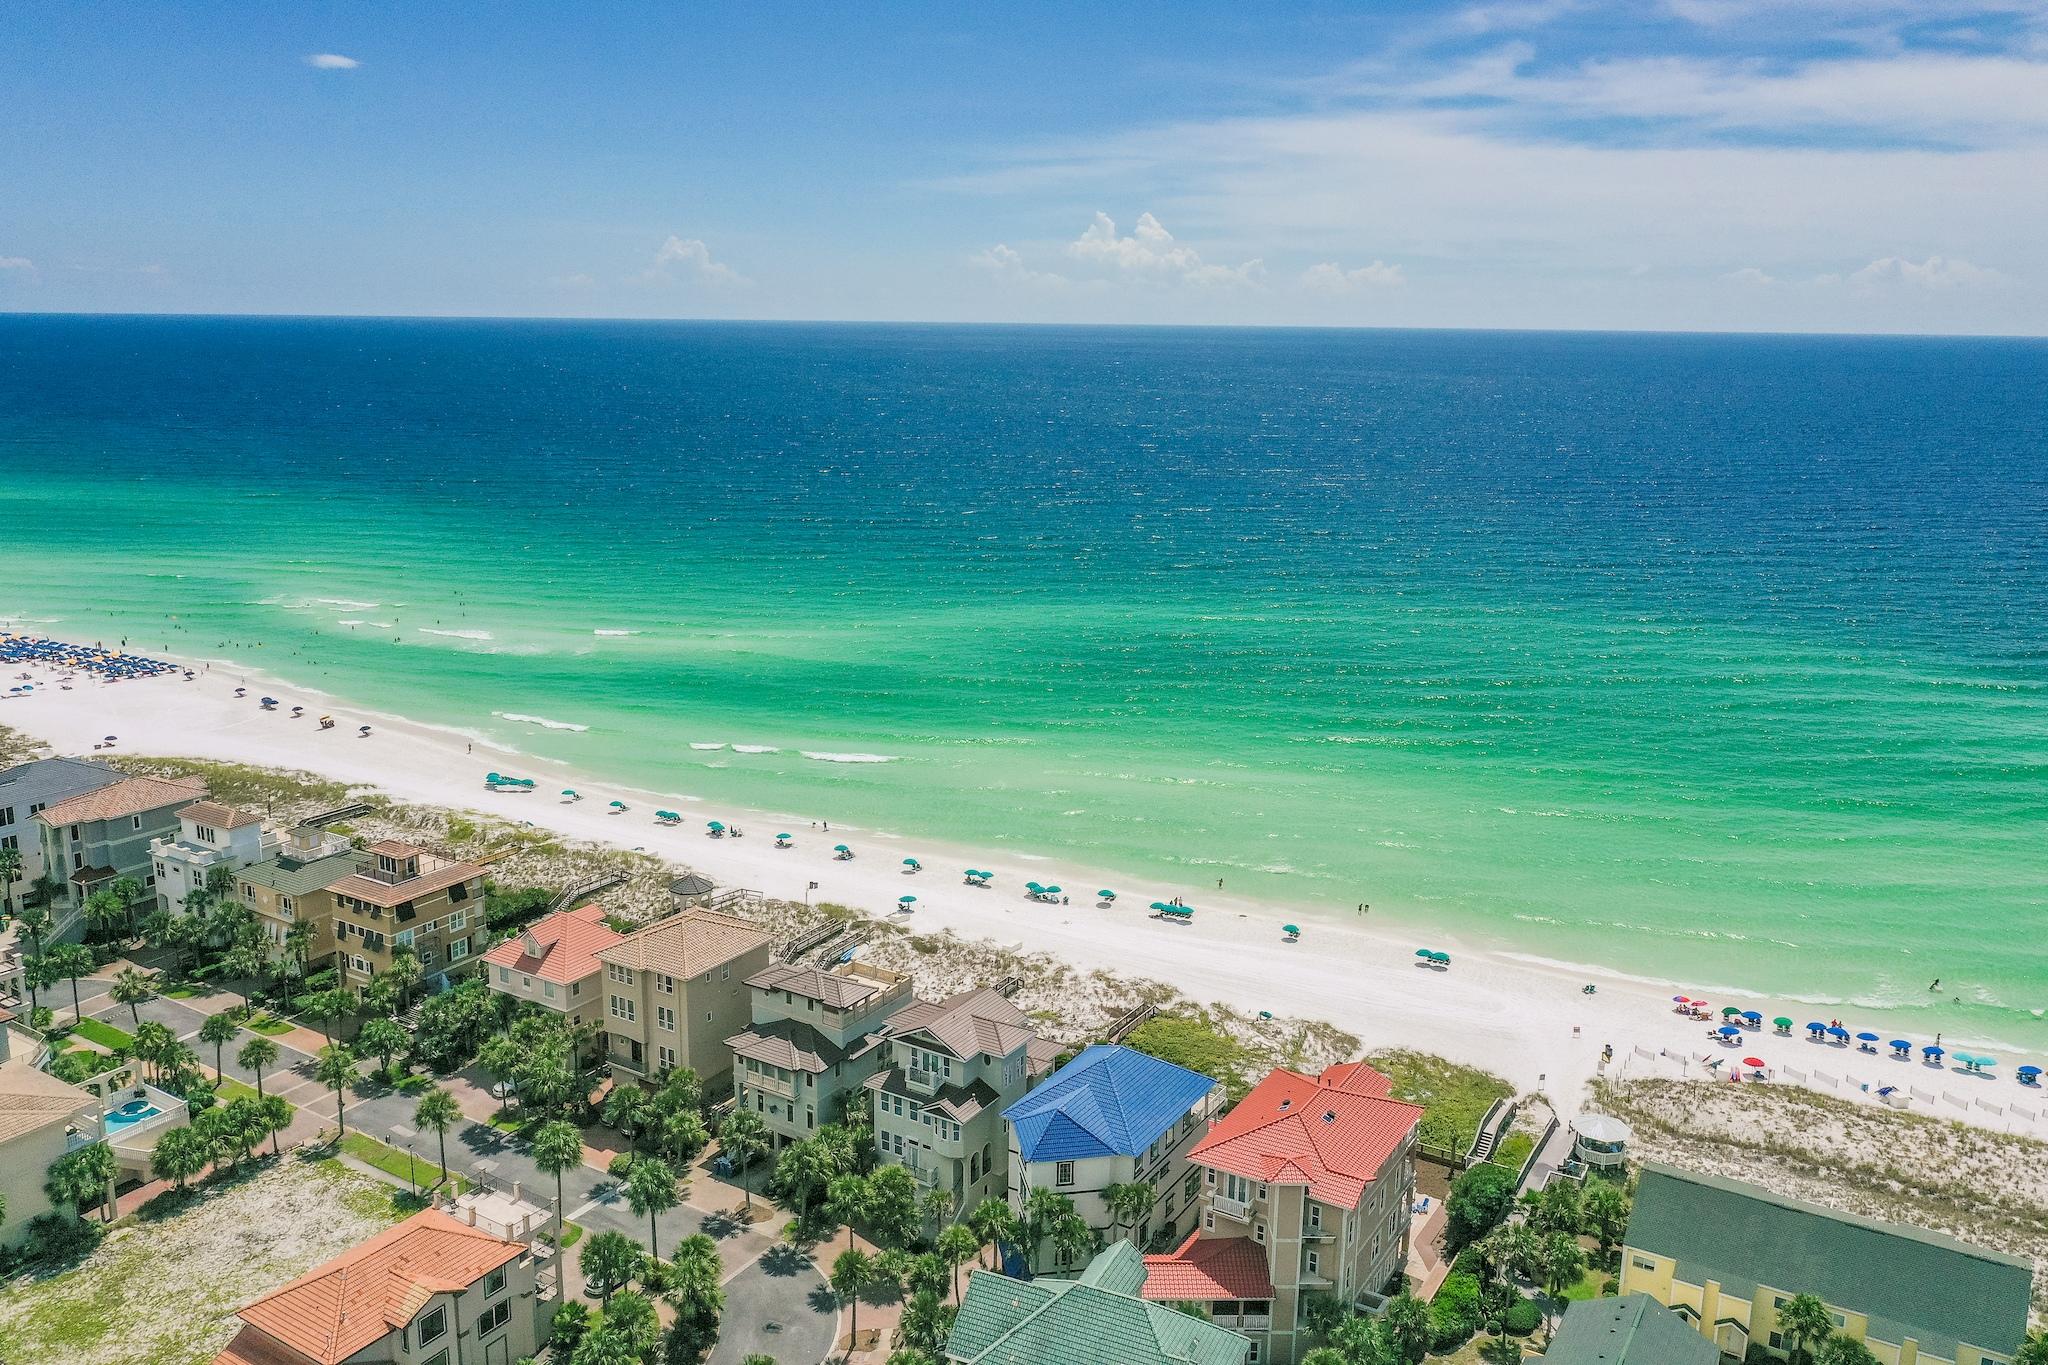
pixel 1101 1316
pixel 815 1038
pixel 91 841
pixel 406 897
pixel 552 963
pixel 1306 1188
pixel 296 886
pixel 948 1068
pixel 1632 1330
pixel 432 1290
pixel 26 789
pixel 210 835
pixel 1114 1116
pixel 1727 1256
pixel 676 990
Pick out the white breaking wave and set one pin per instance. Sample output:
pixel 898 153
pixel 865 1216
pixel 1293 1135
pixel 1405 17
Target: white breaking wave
pixel 755 749
pixel 542 721
pixel 614 632
pixel 347 604
pixel 847 758
pixel 709 747
pixel 457 634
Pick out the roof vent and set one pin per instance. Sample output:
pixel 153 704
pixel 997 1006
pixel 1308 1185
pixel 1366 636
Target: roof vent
pixel 1329 1116
pixel 1285 1105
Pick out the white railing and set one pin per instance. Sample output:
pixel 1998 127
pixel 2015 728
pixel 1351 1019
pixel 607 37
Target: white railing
pixel 1225 1206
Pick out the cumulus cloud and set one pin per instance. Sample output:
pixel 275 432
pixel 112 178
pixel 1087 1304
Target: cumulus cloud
pixel 690 258
pixel 1936 272
pixel 16 263
pixel 1750 274
pixel 1007 264
pixel 332 61
pixel 1332 278
pixel 1151 253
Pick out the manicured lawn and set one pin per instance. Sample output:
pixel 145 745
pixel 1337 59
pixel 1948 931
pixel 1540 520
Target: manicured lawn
pixel 265 1024
pixel 103 1033
pixel 1589 1285
pixel 231 1089
pixel 422 1168
pixel 572 1233
pixel 179 992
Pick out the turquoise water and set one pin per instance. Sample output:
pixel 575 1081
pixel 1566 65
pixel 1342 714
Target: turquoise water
pixel 131 1113
pixel 1717 660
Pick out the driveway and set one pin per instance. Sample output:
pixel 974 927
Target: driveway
pixel 780 1307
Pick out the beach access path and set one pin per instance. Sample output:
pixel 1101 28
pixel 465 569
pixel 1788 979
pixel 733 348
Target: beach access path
pixel 1524 1019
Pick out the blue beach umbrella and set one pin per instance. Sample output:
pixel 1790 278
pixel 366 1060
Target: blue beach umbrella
pixel 618 805
pixel 782 836
pixel 1816 1028
pixel 1753 1016
pixel 2028 1074
pixel 1728 1031
pixel 1033 886
pixel 1985 1061
pixel 1837 1031
pixel 1930 1051
pixel 1107 895
pixel 1425 952
pixel 1900 1046
pixel 1052 890
pixel 1866 1037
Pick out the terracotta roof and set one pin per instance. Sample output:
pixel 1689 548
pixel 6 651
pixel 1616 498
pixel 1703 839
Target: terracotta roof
pixel 213 813
pixel 395 848
pixel 973 1021
pixel 252 1347
pixel 365 887
pixel 32 1099
pixel 131 796
pixel 1330 1132
pixel 839 989
pixel 568 941
pixel 1209 1268
pixel 372 1290
pixel 687 944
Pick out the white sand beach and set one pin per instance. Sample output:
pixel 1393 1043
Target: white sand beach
pixel 1527 1021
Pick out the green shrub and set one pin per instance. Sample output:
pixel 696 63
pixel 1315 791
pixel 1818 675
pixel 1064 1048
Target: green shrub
pixel 1454 1313
pixel 1468 1262
pixel 1480 1199
pixel 1522 1317
pixel 620 1166
pixel 504 909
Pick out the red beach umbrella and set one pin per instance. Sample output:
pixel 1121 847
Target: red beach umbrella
pixel 1756 1062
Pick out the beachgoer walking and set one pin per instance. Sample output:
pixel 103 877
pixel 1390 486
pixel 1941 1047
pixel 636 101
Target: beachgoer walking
pixel 1937 984
pixel 1219 883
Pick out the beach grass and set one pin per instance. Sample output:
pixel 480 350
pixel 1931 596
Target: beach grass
pixel 1454 1098
pixel 245 784
pixel 1195 1042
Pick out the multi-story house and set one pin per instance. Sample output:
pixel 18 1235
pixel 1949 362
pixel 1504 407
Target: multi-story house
pixel 432 1290
pixel 1100 1316
pixel 553 963
pixel 209 836
pixel 948 1069
pixel 1306 1187
pixel 94 840
pixel 41 1118
pixel 25 790
pixel 814 1040
pixel 1728 1256
pixel 407 897
pixel 296 887
pixel 1631 1330
pixel 1114 1116
pixel 676 990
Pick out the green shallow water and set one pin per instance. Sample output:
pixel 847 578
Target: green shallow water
pixel 1710 660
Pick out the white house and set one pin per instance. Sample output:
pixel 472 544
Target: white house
pixel 209 835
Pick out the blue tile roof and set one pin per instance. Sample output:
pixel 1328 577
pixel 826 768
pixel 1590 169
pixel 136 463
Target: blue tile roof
pixel 1109 1101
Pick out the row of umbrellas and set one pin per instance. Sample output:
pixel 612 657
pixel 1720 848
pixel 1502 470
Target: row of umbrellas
pixel 1735 1019
pixel 105 662
pixel 1433 957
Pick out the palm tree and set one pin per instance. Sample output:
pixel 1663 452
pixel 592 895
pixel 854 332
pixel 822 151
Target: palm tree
pixel 437 1109
pixel 104 910
pixel 381 1038
pixel 277 1116
pixel 83 1176
pixel 256 1054
pixel 10 873
pixel 153 1044
pixel 298 941
pixel 1128 1203
pixel 1405 1320
pixel 1043 1208
pixel 847 1200
pixel 852 1271
pixel 695 1293
pixel 72 960
pixel 329 1006
pixel 39 974
pixel 632 1323
pixel 220 1030
pixel 743 1137
pixel 1072 1239
pixel 2034 1351
pixel 1804 1322
pixel 651 1190
pixel 1842 1349
pixel 127 891
pixel 131 987
pixel 608 1261
pixel 1564 1260
pixel 992 1222
pixel 34 921
pixel 957 1242
pixel 180 1154
pixel 336 1069
pixel 557 1148
pixel 626 1108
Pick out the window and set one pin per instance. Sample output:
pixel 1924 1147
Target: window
pixel 494 1283
pixel 547 989
pixel 1191 1185
pixel 205 833
pixel 440 1359
pixel 664 1017
pixel 1644 1263
pixel 6 815
pixel 1251 1357
pixel 614 972
pixel 458 950
pixel 725 974
pixel 1314 1259
pixel 1315 1217
pixel 1259 1233
pixel 667 1058
pixel 665 983
pixel 135 822
pixel 284 903
pixel 1208 1220
pixel 622 1008
pixel 403 938
pixel 494 1317
pixel 456 921
pixel 504 976
pixel 433 1326
pixel 10 841
pixel 1063 1173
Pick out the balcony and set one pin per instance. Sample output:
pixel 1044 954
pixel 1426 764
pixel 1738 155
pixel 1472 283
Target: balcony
pixel 1238 1209
pixel 769 1085
pixel 922 1081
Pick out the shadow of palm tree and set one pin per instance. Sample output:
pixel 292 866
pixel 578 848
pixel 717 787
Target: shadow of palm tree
pixel 784 1262
pixel 822 1300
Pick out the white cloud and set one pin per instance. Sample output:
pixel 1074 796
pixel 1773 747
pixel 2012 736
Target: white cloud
pixel 1936 272
pixel 1007 264
pixel 16 263
pixel 690 257
pixel 332 61
pixel 1749 274
pixel 1332 278
pixel 1151 253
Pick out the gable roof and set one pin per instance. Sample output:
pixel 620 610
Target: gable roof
pixel 129 796
pixel 371 1290
pixel 684 945
pixel 1331 1132
pixel 1908 1281
pixel 836 987
pixel 1109 1101
pixel 213 813
pixel 31 1099
pixel 1633 1330
pixel 568 941
pixel 288 875
pixel 1208 1268
pixel 969 1022
pixel 788 1043
pixel 1095 1320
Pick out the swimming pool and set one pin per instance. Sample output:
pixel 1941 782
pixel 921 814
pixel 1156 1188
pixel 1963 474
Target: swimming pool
pixel 133 1112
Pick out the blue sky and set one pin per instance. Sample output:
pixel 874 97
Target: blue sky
pixel 1848 165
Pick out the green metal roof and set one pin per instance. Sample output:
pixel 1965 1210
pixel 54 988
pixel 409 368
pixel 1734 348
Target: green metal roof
pixel 294 878
pixel 1636 1330
pixel 1095 1320
pixel 1907 1281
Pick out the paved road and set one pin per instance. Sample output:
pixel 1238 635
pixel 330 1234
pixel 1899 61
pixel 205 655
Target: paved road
pixel 777 1302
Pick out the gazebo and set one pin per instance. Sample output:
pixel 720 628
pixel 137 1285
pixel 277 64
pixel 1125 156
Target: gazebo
pixel 1600 1139
pixel 689 889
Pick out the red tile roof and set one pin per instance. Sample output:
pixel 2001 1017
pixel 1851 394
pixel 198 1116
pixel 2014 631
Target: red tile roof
pixel 568 941
pixel 370 1291
pixel 1206 1269
pixel 1331 1132
pixel 251 1347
